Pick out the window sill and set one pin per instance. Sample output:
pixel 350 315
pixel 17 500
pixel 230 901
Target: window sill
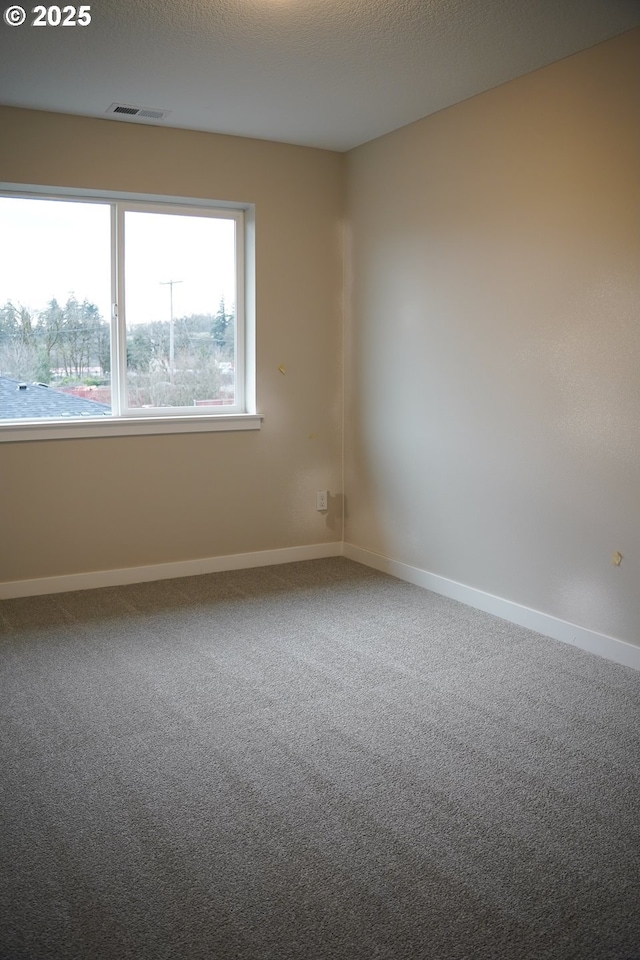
pixel 125 427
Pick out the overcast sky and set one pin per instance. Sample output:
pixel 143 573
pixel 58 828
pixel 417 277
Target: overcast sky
pixel 54 248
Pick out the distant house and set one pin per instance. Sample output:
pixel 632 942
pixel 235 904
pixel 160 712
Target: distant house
pixel 35 401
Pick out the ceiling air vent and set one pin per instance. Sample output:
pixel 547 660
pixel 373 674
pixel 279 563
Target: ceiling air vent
pixel 140 113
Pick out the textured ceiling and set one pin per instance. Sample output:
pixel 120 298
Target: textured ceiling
pixel 327 73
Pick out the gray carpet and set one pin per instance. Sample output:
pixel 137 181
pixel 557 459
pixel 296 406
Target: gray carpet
pixel 310 761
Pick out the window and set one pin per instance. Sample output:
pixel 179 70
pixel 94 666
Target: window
pixel 121 316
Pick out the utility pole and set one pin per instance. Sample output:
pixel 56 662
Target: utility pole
pixel 170 283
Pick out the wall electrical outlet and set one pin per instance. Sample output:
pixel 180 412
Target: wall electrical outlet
pixel 322 500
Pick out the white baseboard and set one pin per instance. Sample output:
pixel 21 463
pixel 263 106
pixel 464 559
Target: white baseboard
pixel 599 643
pixel 166 571
pixel 604 646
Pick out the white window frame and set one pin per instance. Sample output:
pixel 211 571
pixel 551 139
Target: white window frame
pixel 126 421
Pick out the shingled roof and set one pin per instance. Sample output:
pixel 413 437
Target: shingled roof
pixel 33 401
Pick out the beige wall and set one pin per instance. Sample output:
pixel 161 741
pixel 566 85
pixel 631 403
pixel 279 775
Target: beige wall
pixel 79 505
pixel 493 349
pixel 492 429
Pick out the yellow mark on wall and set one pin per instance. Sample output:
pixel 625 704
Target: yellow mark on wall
pixel 616 559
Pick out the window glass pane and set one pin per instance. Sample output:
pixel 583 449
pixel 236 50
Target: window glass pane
pixel 180 289
pixel 55 299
